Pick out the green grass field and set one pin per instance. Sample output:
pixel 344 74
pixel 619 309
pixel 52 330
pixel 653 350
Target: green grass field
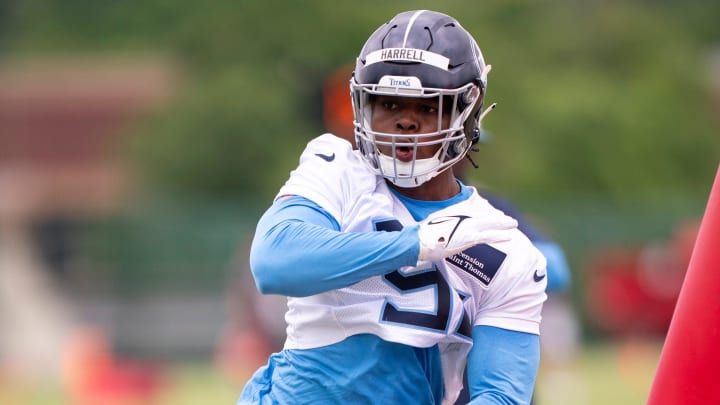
pixel 604 373
pixel 618 373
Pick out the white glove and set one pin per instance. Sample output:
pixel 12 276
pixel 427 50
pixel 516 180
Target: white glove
pixel 447 235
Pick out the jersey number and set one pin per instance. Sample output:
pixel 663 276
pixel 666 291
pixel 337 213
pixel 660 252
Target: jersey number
pixel 432 278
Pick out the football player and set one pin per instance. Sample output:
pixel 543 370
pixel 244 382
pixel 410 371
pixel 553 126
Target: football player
pixel 397 273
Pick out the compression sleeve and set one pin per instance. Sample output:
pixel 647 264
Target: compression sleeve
pixel 502 366
pixel 298 250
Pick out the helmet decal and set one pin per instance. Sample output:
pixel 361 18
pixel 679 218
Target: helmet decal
pixel 410 25
pixel 407 55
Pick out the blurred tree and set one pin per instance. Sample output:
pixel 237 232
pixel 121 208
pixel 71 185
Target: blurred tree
pixel 595 98
pixel 611 99
pixel 6 8
pixel 230 134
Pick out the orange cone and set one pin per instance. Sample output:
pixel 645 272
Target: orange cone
pixel 690 360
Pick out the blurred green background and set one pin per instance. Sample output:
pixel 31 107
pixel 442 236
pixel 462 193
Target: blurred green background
pixel 606 135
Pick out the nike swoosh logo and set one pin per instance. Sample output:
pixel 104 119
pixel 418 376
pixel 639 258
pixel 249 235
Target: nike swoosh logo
pixel 538 278
pixel 441 220
pixel 458 218
pixel 327 158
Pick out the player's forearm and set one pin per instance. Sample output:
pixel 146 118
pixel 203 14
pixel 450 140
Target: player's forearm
pixel 493 398
pixel 502 366
pixel 296 252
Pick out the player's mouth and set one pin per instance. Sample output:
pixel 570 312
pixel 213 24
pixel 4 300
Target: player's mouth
pixel 404 153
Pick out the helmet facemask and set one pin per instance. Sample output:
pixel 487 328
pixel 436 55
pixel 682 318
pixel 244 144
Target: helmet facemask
pixel 380 149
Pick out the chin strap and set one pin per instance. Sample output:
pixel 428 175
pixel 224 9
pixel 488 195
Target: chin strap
pixel 472 162
pixel 479 137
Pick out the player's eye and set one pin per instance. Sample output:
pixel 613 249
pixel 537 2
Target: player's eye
pixel 390 105
pixel 428 108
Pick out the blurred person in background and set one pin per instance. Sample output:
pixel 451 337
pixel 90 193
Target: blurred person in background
pixel 393 267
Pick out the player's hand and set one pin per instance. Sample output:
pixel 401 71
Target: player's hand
pixel 446 235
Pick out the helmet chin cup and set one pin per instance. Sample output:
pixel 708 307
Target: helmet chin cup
pixel 409 174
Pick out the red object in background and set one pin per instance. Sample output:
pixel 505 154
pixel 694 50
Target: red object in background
pixel 337 104
pixel 94 376
pixel 618 301
pixel 690 360
pixel 240 353
pixel 633 291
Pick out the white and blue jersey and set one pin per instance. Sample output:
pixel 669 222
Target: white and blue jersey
pixel 367 322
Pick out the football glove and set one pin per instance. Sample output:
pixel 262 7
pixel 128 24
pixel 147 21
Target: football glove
pixel 446 235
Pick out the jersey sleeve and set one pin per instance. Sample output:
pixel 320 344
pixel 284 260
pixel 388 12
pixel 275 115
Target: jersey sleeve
pixel 558 269
pixel 514 300
pixel 331 175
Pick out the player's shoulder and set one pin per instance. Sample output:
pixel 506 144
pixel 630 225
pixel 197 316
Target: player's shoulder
pixel 522 248
pixel 481 207
pixel 331 174
pixel 331 157
pixel 329 149
pixel 519 243
pixel 518 252
pixel 523 265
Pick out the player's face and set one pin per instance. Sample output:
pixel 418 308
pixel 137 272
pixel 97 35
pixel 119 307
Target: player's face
pixel 411 116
